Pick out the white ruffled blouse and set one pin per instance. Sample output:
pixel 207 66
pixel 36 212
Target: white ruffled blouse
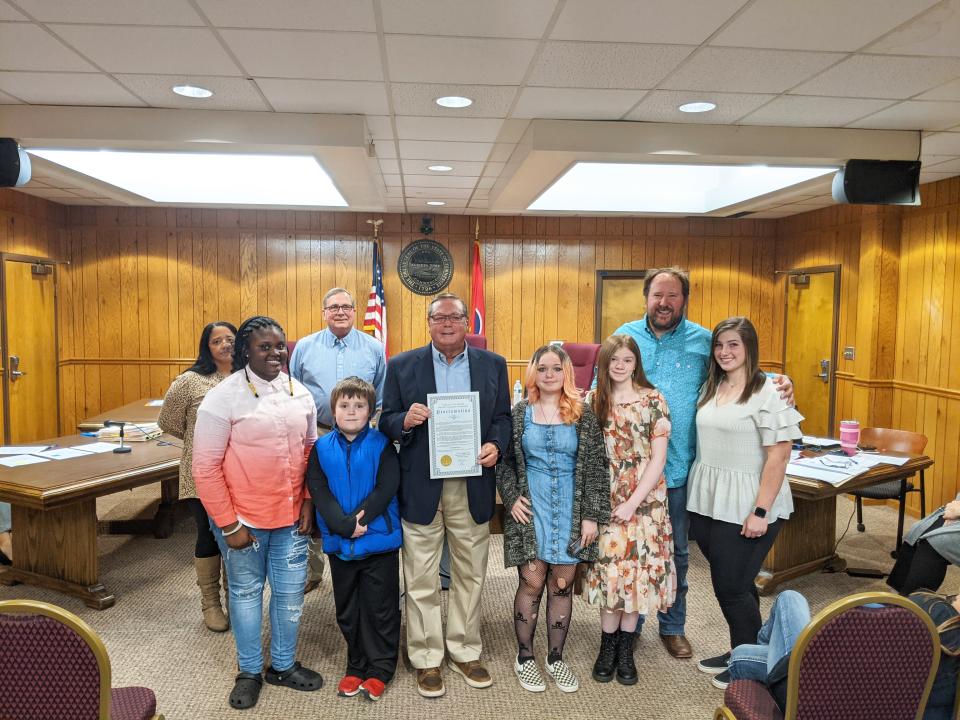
pixel 725 476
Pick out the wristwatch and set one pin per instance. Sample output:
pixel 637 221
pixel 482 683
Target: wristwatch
pixel 759 512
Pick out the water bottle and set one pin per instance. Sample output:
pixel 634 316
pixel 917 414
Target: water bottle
pixel 517 392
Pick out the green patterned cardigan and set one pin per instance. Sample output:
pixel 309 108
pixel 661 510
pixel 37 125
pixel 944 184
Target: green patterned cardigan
pixel 591 488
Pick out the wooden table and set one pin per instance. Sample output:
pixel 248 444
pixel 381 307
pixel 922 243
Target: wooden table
pixel 806 541
pixel 135 412
pixel 55 513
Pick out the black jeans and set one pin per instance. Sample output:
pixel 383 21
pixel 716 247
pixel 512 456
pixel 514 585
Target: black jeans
pixel 206 545
pixel 918 566
pixel 366 594
pixel 734 563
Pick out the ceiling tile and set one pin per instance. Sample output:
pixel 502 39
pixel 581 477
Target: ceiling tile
pixel 479 204
pixel 915 115
pixel 418 99
pixel 440 180
pixel 392 180
pixel 929 177
pixel 439 193
pixel 575 103
pixel 8 100
pixel 380 127
pixel 113 12
pixel 421 149
pixel 501 152
pixel 681 22
pixel 229 93
pixel 166 51
pixel 817 24
pixel 386 149
pixel 8 13
pixel 27 47
pixel 661 106
pixel 422 59
pixel 355 15
pixel 605 65
pixel 805 111
pixel 486 182
pixel 66 89
pixel 947 143
pixel 325 96
pixel 882 76
pixel 388 166
pixel 463 168
pixel 952 166
pixel 311 55
pixel 448 129
pixel 512 130
pixel 947 91
pixel 490 18
pixel 933 33
pixel 748 71
pixel 418 203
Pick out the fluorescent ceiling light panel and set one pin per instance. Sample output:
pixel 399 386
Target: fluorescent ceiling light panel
pixel 666 188
pixel 206 178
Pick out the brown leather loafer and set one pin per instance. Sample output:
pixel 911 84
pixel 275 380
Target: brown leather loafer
pixel 430 682
pixel 475 674
pixel 678 646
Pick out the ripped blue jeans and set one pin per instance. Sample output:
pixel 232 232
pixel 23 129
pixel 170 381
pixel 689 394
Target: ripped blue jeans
pixel 279 556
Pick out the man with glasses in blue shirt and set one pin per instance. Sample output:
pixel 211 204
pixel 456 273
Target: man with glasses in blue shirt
pixel 675 353
pixel 323 359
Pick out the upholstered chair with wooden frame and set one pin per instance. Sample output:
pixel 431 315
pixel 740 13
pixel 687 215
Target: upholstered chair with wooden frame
pixel 887 440
pixel 54 666
pixel 851 661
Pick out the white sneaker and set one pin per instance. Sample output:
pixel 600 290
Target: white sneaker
pixel 529 676
pixel 563 676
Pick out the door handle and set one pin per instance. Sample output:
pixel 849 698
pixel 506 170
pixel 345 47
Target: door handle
pixel 15 371
pixel 824 373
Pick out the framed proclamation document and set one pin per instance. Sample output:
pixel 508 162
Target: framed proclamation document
pixel 454 432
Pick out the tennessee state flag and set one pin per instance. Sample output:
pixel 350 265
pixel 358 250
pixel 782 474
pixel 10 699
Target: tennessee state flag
pixel 478 309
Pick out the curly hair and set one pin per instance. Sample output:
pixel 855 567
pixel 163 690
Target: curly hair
pixel 241 349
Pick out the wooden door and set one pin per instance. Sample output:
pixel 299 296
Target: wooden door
pixel 30 351
pixel 810 344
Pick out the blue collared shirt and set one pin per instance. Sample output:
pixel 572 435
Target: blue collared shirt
pixel 676 364
pixel 321 360
pixel 453 376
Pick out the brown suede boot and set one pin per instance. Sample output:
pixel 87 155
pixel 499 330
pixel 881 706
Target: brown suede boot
pixel 208 579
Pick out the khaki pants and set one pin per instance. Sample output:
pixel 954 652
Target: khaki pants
pixel 422 546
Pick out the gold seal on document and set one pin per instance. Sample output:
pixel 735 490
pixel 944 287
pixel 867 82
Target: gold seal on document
pixel 446 460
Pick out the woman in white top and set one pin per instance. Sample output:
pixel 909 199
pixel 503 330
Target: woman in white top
pixel 737 496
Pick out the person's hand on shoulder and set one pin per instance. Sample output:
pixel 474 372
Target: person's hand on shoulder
pixel 784 386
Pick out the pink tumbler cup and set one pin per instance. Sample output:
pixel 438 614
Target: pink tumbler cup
pixel 849 436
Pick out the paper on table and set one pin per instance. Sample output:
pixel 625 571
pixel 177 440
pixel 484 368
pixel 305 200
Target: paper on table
pixel 154 403
pixel 61 453
pixel 829 469
pixel 22 449
pixel 19 460
pixel 870 460
pixel 97 447
pixel 819 441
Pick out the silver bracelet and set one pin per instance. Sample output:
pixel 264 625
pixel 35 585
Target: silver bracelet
pixel 235 530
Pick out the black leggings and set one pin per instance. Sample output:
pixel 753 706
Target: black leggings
pixel 734 563
pixel 206 543
pixel 918 566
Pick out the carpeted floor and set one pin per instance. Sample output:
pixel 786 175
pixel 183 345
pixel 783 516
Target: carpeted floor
pixel 156 638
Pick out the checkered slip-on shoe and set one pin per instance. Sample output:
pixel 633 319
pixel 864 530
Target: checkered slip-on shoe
pixel 529 676
pixel 563 676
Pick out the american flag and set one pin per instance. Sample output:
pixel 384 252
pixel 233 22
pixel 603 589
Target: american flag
pixel 375 319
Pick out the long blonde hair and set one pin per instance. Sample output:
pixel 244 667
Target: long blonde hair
pixel 571 406
pixel 603 395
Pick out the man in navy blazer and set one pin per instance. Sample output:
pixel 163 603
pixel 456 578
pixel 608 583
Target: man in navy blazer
pixel 456 508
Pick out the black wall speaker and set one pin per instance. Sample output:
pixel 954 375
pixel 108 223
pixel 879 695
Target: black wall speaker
pixel 878 182
pixel 14 164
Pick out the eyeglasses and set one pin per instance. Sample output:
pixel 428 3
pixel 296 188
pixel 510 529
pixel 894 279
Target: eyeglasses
pixel 339 308
pixel 441 319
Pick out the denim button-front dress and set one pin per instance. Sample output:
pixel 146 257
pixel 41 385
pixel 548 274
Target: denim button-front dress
pixel 551 456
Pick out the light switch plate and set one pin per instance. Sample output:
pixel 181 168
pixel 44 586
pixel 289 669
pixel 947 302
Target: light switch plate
pixel 849 353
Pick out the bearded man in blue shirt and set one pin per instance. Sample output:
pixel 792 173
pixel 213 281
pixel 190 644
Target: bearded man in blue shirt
pixel 675 353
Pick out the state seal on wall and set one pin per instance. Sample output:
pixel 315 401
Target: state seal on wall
pixel 425 267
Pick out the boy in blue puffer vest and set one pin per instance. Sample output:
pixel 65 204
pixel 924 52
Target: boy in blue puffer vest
pixel 353 475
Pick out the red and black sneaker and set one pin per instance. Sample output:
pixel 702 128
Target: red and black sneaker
pixel 372 688
pixel 349 686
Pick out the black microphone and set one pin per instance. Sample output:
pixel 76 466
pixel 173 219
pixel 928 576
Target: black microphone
pixel 118 423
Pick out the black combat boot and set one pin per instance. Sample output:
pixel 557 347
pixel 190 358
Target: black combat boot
pixel 626 670
pixel 606 663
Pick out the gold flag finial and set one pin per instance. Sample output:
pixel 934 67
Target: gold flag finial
pixel 376 227
pixel 476 231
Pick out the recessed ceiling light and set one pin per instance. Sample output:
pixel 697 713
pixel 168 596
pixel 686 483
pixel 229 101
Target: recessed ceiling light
pixel 453 101
pixel 206 178
pixel 666 188
pixel 440 168
pixel 673 152
pixel 697 107
pixel 192 91
pixel 435 202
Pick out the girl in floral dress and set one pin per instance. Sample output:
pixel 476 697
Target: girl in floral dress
pixel 634 574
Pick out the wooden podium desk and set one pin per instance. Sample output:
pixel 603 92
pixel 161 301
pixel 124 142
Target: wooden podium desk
pixel 806 541
pixel 135 412
pixel 55 512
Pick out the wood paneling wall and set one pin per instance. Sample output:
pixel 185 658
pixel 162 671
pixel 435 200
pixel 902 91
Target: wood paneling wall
pixel 143 282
